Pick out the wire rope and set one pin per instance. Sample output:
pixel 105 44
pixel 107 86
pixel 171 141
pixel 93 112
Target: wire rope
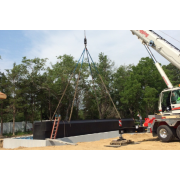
pixel 94 86
pixel 67 85
pixel 76 89
pixel 105 87
pixel 169 36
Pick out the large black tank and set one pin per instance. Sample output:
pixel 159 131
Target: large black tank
pixel 42 130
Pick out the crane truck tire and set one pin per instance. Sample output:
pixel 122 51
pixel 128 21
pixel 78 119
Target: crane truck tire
pixel 178 132
pixel 166 133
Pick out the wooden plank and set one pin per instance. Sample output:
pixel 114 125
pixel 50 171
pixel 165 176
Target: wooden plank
pixel 116 146
pixel 121 142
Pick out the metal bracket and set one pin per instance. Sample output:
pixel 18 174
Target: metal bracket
pixel 151 43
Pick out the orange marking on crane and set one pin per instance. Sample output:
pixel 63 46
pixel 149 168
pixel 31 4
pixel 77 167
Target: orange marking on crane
pixel 143 32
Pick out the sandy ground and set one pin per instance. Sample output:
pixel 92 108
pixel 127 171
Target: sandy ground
pixel 144 142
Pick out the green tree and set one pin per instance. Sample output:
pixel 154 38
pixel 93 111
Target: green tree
pixel 34 80
pixel 14 77
pixel 105 68
pixel 173 73
pixel 142 88
pixel 4 102
pixel 57 77
pixel 120 77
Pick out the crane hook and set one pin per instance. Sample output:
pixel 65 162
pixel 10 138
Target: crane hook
pixel 85 40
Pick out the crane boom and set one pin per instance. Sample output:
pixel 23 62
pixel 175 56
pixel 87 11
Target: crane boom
pixel 162 46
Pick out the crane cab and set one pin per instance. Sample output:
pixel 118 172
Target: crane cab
pixel 169 101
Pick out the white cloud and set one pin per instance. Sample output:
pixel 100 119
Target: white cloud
pixel 120 46
pixel 6 64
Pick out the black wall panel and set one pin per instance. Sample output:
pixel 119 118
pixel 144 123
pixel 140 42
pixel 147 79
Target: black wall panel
pixel 42 130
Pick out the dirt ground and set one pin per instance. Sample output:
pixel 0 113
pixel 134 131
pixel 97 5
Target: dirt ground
pixel 144 142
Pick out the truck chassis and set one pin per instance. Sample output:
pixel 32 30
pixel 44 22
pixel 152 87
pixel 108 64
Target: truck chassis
pixel 166 129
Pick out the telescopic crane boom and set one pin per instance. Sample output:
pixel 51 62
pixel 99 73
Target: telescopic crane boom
pixel 163 47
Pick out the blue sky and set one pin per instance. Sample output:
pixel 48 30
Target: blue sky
pixel 120 45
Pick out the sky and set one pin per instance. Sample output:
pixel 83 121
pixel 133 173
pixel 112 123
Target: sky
pixel 119 45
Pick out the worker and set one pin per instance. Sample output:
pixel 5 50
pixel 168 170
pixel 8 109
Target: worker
pixel 140 118
pixel 168 103
pixel 175 97
pixel 56 116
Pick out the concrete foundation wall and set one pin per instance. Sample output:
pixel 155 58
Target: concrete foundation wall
pixel 15 143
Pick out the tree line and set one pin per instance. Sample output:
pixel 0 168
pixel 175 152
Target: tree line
pixel 34 89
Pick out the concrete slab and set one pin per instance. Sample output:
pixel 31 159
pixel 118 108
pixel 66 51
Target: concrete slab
pixel 52 143
pixel 15 143
pixel 91 137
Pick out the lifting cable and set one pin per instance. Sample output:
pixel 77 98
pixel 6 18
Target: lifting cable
pixel 170 36
pixel 67 84
pixel 104 86
pixel 150 53
pixel 85 43
pixel 93 85
pixel 76 88
pixel 88 55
